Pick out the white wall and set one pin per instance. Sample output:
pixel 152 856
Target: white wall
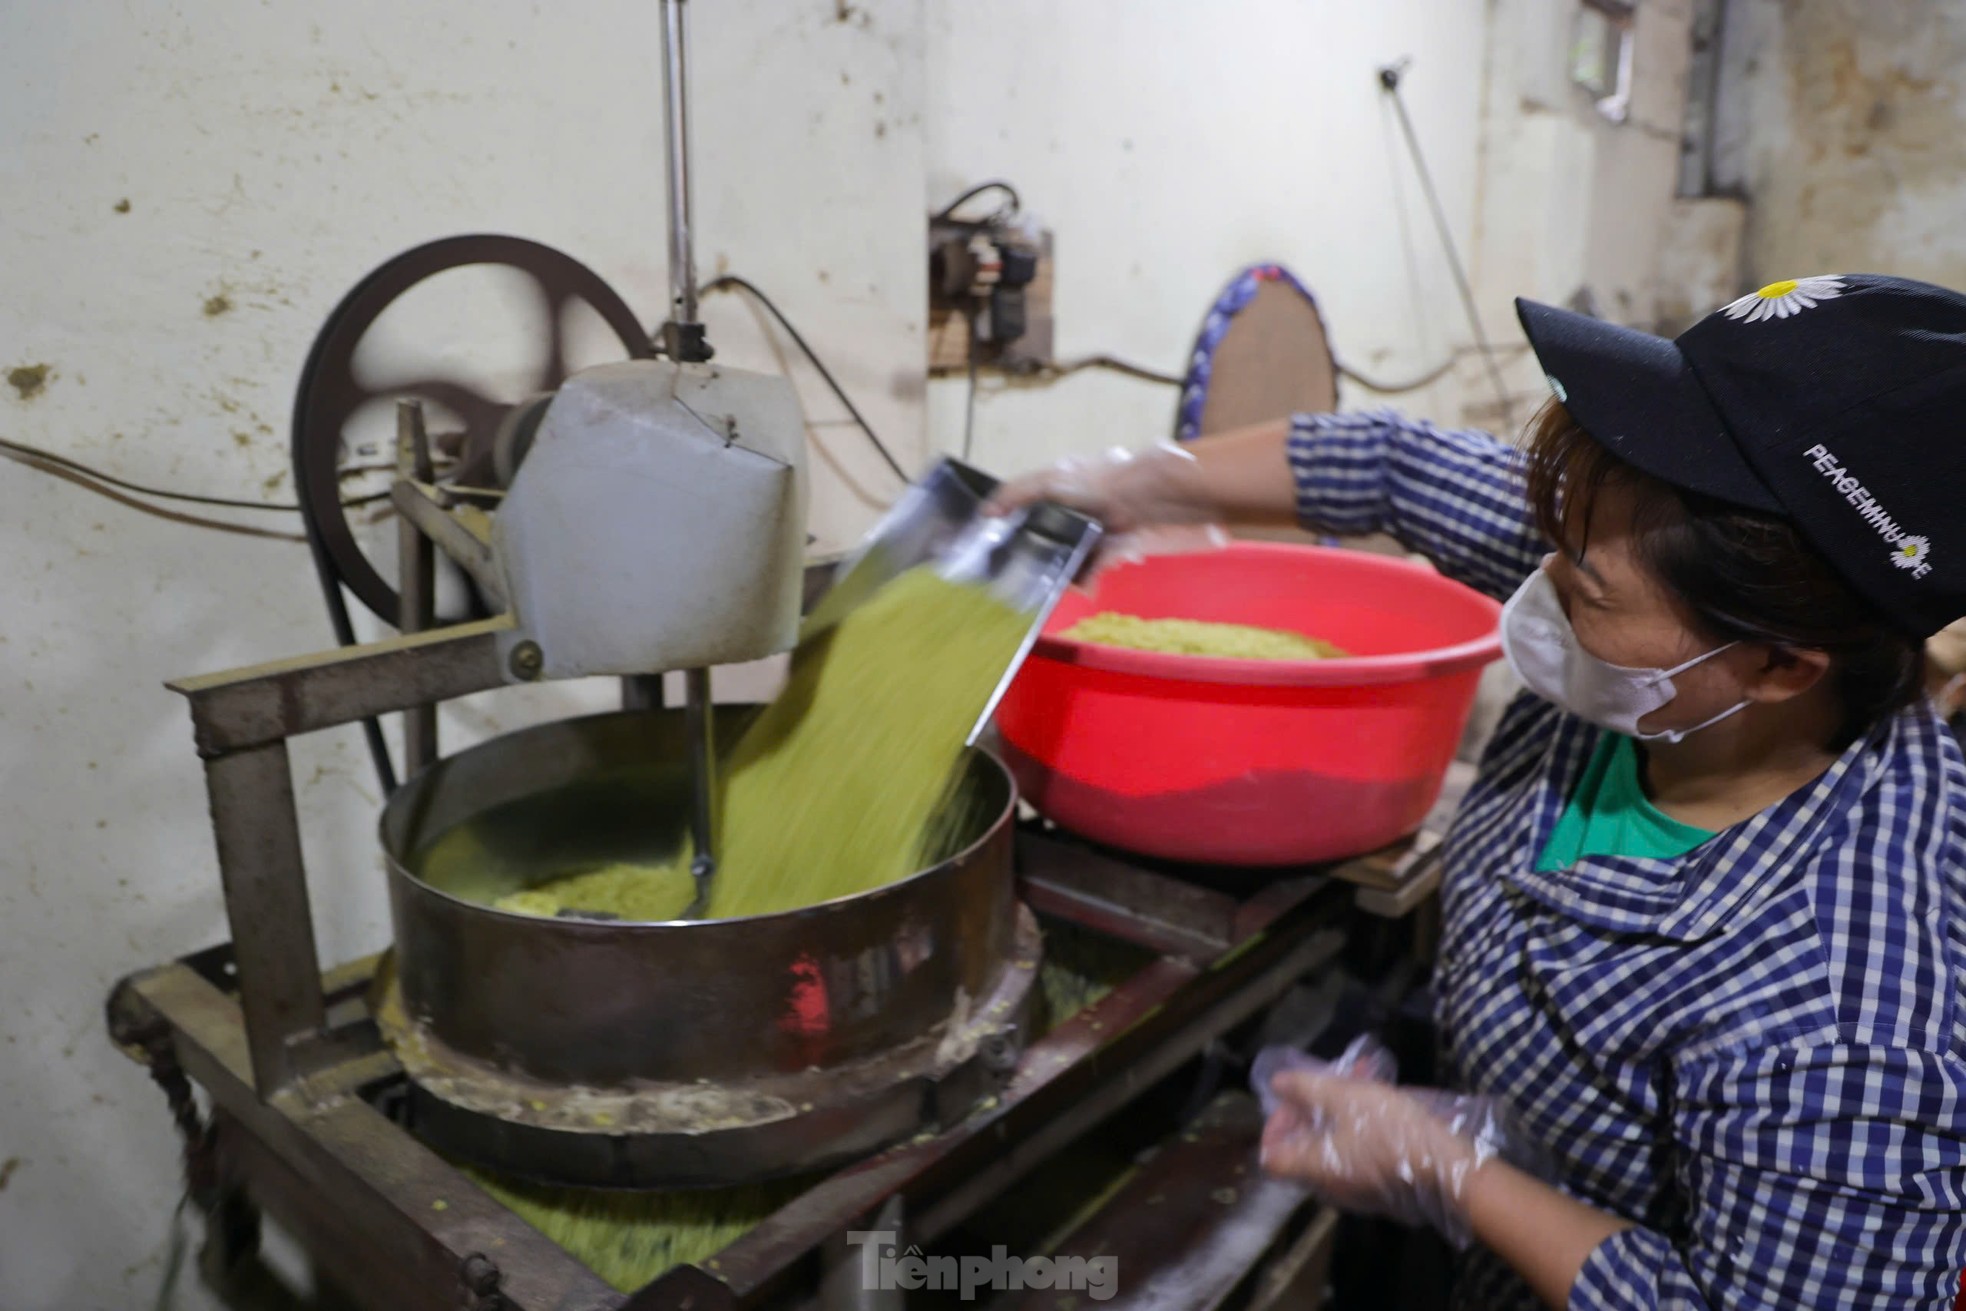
pixel 1168 145
pixel 271 155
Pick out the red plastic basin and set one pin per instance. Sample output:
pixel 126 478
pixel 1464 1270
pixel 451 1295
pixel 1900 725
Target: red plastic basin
pixel 1251 762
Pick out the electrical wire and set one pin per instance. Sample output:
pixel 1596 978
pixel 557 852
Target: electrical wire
pixel 1116 365
pixel 67 472
pixel 1016 204
pixel 1389 79
pixel 730 280
pixel 1146 374
pixel 1428 378
pixel 1175 380
pixel 969 404
pixel 123 492
pixel 37 457
pixel 193 498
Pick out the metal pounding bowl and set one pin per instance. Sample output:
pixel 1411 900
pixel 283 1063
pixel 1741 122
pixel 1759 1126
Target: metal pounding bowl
pixel 690 1052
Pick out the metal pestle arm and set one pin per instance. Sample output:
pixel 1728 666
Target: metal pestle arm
pixel 675 95
pixel 699 720
pixel 683 342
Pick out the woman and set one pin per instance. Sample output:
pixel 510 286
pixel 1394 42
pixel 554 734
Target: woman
pixel 1705 907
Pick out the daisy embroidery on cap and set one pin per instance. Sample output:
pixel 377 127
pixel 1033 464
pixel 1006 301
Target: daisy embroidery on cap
pixel 1778 300
pixel 1910 552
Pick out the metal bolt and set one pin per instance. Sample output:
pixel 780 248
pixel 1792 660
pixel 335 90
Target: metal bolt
pixel 999 1052
pixel 480 1274
pixel 527 660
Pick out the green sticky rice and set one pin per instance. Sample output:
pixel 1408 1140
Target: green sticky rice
pixel 1198 637
pixel 849 779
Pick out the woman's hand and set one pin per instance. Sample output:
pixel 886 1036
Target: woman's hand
pixel 1167 499
pixel 1127 491
pixel 1241 477
pixel 1424 1156
pixel 1141 498
pixel 1373 1148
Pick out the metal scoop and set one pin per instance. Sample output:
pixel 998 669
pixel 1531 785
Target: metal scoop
pixel 1026 558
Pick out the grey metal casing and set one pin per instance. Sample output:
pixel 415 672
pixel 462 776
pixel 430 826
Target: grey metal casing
pixel 658 521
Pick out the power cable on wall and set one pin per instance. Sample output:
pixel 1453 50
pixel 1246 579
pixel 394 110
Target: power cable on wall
pixel 1145 374
pixel 729 281
pixel 1427 379
pixel 131 494
pixel 969 402
pixel 1012 202
pixel 1389 79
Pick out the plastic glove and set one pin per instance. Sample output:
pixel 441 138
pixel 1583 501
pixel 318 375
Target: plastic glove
pixel 1362 1144
pixel 1949 697
pixel 1945 669
pixel 1139 497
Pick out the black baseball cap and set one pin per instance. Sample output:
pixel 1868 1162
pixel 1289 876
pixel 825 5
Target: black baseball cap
pixel 1836 402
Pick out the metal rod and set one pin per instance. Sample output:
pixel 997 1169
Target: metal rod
pixel 461 532
pixel 1389 78
pixel 259 862
pixel 675 94
pixel 682 313
pixel 699 722
pixel 416 569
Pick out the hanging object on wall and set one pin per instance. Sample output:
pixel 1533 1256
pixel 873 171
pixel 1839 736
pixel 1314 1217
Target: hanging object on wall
pixel 989 287
pixel 1602 45
pixel 1262 354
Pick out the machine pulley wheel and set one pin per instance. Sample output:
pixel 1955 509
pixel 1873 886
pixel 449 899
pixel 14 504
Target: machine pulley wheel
pixel 332 391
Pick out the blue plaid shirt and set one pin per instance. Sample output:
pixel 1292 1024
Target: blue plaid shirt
pixel 1756 1052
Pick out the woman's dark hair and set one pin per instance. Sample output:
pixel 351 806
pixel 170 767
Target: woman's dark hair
pixel 1741 574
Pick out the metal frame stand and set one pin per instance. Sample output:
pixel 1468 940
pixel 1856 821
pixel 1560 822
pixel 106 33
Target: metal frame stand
pixel 299 1080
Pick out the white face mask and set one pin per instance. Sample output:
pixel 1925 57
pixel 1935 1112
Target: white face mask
pixel 1543 650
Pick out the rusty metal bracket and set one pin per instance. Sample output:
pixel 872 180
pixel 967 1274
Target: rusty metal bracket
pixel 242 720
pixel 1160 913
pixel 462 532
pixel 416 568
pixel 251 707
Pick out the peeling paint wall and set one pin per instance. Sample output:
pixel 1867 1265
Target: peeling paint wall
pixel 1573 206
pixel 1843 122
